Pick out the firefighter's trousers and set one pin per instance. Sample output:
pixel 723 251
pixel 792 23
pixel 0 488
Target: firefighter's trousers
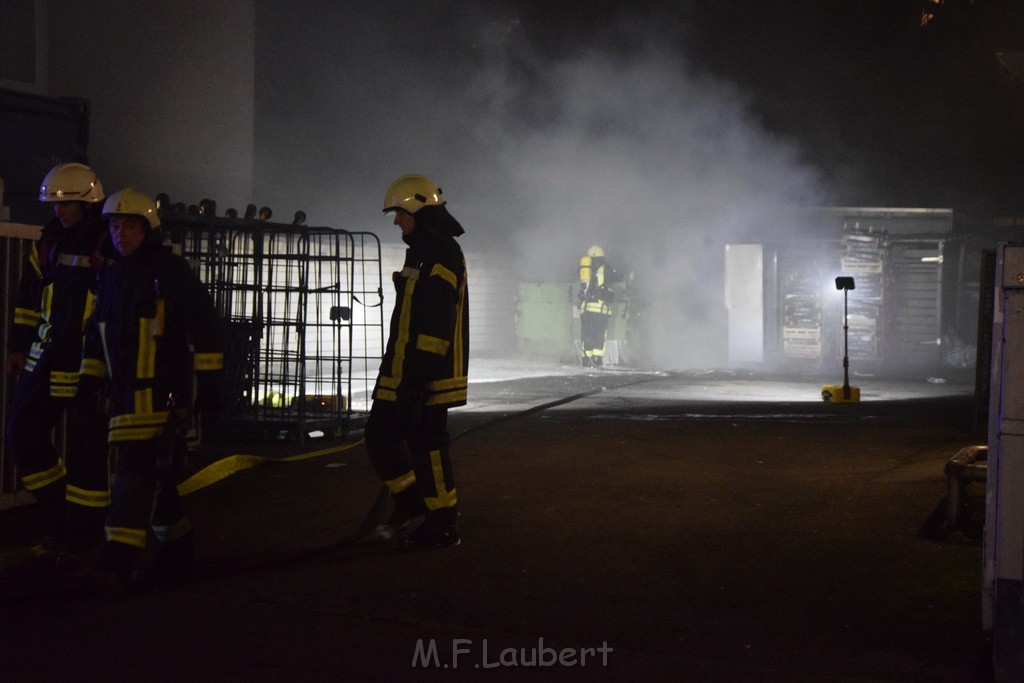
pixel 145 495
pixel 593 328
pixel 408 444
pixel 73 497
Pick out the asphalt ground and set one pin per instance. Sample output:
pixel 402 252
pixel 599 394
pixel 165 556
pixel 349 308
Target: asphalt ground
pixel 616 526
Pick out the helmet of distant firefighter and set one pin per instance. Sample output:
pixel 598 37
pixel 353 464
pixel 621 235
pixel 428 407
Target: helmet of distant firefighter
pixel 411 193
pixel 72 182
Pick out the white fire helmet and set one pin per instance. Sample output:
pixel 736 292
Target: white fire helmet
pixel 71 182
pixel 132 202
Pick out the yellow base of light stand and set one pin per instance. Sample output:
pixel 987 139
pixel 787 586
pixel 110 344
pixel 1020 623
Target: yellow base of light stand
pixel 833 393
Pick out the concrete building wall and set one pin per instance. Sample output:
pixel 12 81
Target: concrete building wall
pixel 171 87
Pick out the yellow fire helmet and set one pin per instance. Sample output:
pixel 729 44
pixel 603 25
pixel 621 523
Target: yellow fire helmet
pixel 71 182
pixel 595 252
pixel 411 193
pixel 132 202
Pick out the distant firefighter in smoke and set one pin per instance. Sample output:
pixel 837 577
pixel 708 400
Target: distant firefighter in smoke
pixel 595 299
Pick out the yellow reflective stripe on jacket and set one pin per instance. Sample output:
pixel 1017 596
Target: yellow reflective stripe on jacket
pixel 209 361
pixel 448 384
pixel 425 342
pixel 86 498
pixel 90 307
pixel 134 434
pixel 137 426
pixel 144 401
pixel 597 307
pixel 145 365
pixel 33 259
pixel 63 384
pixel 404 322
pixel 386 395
pixel 136 419
pixel 93 368
pixel 132 537
pixel 447 391
pixel 445 274
pixel 63 377
pixel 447 398
pixel 24 316
pixel 45 309
pixel 38 480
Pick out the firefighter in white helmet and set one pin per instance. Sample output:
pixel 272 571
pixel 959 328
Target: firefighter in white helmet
pixel 155 327
pixel 424 370
pixel 595 299
pixel 54 303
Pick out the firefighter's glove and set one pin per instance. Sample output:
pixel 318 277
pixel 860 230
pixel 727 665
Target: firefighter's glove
pixel 208 400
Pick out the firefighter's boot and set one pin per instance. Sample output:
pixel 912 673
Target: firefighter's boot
pixel 52 509
pixel 409 507
pixel 440 529
pixel 169 563
pixel 112 573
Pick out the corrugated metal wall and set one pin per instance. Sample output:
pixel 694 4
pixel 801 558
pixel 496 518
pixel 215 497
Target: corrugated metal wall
pixel 914 314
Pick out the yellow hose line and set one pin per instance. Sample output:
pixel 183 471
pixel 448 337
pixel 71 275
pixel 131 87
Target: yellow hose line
pixel 17 555
pixel 224 468
pixel 211 474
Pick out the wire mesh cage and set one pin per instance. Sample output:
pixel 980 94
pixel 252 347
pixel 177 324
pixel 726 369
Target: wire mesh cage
pixel 304 319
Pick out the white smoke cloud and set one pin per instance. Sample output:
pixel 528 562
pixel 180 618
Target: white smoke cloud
pixel 619 141
pixel 639 153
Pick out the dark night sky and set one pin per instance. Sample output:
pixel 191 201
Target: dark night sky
pixel 928 114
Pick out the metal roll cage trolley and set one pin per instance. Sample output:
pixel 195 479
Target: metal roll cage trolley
pixel 303 311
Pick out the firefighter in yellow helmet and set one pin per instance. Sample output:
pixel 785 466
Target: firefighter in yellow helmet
pixel 54 303
pixel 155 328
pixel 595 299
pixel 424 370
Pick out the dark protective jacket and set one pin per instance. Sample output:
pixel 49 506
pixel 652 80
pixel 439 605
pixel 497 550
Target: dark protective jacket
pixel 56 296
pixel 150 309
pixel 427 354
